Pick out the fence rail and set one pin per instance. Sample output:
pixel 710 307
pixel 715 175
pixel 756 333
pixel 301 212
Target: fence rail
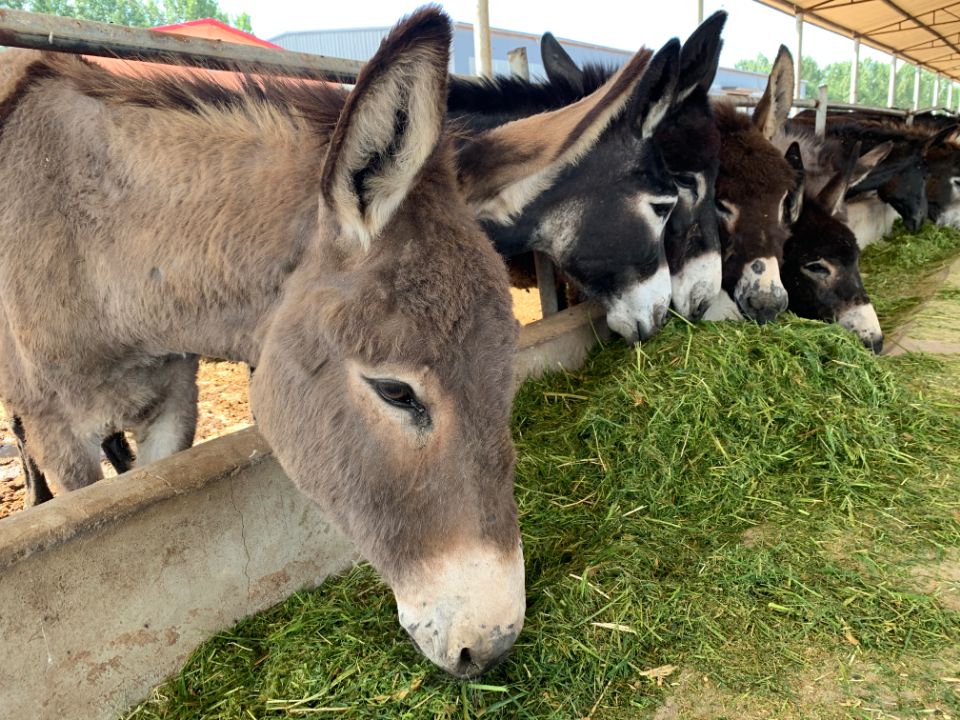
pixel 47 32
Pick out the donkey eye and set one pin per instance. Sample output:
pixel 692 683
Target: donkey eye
pixel 686 181
pixel 395 392
pixel 662 210
pixel 817 267
pixel 721 206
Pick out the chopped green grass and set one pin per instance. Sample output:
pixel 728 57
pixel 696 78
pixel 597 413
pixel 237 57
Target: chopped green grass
pixel 725 516
pixel 896 272
pixel 728 519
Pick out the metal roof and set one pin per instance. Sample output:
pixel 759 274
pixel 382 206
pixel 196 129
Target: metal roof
pixel 922 32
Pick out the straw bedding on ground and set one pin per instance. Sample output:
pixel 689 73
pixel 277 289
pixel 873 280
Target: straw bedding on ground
pixel 731 521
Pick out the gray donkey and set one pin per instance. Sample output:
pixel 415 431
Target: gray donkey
pixel 317 235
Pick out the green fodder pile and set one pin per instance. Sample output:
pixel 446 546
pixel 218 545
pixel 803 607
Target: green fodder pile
pixel 730 502
pixel 896 272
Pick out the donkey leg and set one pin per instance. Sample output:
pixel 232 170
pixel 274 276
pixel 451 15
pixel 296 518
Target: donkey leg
pixel 68 461
pixel 118 452
pixel 171 428
pixel 36 490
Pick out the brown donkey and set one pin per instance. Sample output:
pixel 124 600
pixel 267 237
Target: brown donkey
pixel 752 194
pixel 317 235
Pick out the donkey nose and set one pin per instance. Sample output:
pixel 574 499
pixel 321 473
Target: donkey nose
pixel 477 660
pixel 764 307
pixel 875 345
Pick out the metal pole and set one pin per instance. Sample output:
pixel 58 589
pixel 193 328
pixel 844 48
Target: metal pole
pixel 855 71
pixel 892 86
pixel 699 11
pixel 949 94
pixel 481 40
pixel 936 90
pixel 820 123
pixel 799 56
pixel 916 87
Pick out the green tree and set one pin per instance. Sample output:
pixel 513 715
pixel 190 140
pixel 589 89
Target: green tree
pixel 137 13
pixel 872 82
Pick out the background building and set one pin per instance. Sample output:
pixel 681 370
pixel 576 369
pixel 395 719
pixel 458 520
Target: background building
pixel 361 43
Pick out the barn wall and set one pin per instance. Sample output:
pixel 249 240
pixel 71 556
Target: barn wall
pixel 106 591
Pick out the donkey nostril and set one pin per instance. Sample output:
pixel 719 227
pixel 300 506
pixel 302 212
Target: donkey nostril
pixel 465 658
pixel 662 210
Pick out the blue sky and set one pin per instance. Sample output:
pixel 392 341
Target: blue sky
pixel 751 28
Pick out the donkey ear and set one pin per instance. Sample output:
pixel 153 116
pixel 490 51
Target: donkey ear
pixel 657 90
pixel 793 203
pixel 558 64
pixel 833 193
pixel 700 55
pixel 868 162
pixel 502 169
pixel 774 106
pixel 940 138
pixel 389 127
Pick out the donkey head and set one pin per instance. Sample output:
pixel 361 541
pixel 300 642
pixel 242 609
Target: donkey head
pixel 901 181
pixel 689 141
pixel 384 378
pixel 752 188
pixel 588 185
pixel 943 187
pixel 821 259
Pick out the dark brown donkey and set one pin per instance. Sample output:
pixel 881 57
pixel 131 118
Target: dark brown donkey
pixel 751 194
pixel 315 234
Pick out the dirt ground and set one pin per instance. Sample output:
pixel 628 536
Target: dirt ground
pixel 223 408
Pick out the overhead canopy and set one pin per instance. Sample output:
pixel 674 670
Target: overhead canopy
pixel 922 32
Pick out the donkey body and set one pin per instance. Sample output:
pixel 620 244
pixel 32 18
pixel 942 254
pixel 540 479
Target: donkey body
pixel 317 235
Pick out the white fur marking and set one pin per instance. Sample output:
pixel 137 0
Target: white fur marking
pixel 641 310
pixel 862 319
pixel 723 308
pixel 471 598
pixel 767 281
pixel 162 439
pixel 697 282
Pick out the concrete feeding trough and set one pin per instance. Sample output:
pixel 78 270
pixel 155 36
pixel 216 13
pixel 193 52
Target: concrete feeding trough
pixel 106 591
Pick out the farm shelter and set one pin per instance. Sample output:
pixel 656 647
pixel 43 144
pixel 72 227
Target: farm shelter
pixel 603 627
pixel 921 32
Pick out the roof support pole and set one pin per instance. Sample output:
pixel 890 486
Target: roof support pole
pixel 798 56
pixel 699 11
pixel 820 123
pixel 892 85
pixel 855 70
pixel 936 90
pixel 949 94
pixel 481 40
pixel 916 87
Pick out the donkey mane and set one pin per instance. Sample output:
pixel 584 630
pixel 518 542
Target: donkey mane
pixel 738 154
pixel 517 97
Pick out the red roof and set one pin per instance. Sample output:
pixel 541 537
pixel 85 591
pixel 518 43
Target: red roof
pixel 213 29
pixel 207 28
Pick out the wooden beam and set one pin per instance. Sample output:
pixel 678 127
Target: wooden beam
pixel 47 32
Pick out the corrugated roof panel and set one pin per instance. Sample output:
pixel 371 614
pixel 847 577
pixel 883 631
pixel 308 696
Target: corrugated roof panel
pixel 923 32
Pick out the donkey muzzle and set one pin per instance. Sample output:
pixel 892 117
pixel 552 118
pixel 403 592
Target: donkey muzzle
pixel 465 610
